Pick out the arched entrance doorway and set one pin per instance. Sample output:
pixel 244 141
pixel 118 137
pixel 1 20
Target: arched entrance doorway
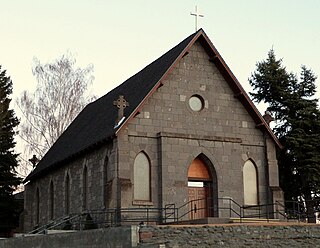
pixel 201 190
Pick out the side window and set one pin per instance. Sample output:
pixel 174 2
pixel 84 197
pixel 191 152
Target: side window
pixel 105 180
pixel 85 188
pixel 250 183
pixel 37 206
pixel 51 203
pixel 141 179
pixel 67 194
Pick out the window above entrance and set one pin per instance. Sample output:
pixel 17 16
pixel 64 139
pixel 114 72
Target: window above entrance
pixel 195 184
pixel 196 103
pixel 198 171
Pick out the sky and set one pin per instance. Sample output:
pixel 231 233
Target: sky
pixel 119 38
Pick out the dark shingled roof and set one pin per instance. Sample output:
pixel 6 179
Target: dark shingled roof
pixel 95 123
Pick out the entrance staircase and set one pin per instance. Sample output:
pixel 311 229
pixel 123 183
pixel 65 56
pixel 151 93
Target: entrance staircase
pixel 220 211
pixel 230 211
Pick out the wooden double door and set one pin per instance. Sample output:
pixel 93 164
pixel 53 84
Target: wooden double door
pixel 198 202
pixel 200 190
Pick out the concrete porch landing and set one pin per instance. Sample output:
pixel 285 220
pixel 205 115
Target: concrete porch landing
pixel 208 220
pixel 216 220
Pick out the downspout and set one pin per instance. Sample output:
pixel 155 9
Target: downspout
pixel 118 186
pixel 268 118
pixel 268 190
pixel 160 189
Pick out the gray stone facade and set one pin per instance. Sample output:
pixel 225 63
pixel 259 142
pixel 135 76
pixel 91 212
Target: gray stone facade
pixel 172 135
pixel 99 188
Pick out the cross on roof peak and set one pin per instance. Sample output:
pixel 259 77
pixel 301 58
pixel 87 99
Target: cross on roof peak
pixel 121 103
pixel 196 14
pixel 34 160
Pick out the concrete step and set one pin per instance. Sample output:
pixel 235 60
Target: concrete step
pixel 142 245
pixel 208 220
pixel 254 220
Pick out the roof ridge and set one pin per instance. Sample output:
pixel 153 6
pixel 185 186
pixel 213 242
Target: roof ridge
pixel 78 136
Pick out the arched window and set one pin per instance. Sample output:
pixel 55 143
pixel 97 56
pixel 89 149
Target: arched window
pixel 141 180
pixel 51 203
pixel 250 183
pixel 85 188
pixel 105 180
pixel 37 206
pixel 198 171
pixel 67 194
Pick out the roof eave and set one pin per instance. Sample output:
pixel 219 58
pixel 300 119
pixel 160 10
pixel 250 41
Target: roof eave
pixel 67 159
pixel 159 83
pixel 238 90
pixel 233 82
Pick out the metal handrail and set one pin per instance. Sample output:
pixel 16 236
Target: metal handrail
pixel 168 216
pixel 107 218
pixel 230 208
pixel 172 214
pixel 267 211
pixel 187 204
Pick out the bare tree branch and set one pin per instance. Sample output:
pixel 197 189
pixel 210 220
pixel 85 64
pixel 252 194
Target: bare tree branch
pixel 60 95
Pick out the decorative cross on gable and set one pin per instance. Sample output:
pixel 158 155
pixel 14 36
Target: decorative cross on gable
pixel 196 14
pixel 121 103
pixel 34 160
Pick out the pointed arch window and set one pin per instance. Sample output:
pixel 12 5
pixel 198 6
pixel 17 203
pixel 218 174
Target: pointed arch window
pixel 105 180
pixel 141 180
pixel 85 188
pixel 51 203
pixel 250 183
pixel 37 206
pixel 67 194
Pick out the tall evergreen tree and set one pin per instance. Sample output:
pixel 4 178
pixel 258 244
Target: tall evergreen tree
pixel 292 101
pixel 8 159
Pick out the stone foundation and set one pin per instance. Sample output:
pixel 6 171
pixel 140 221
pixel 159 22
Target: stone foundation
pixel 231 236
pixel 119 237
pixel 228 235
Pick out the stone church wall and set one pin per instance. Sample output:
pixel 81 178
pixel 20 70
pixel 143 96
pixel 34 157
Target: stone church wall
pixel 172 135
pixel 96 188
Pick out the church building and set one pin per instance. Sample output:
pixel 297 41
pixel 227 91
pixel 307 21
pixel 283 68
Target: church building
pixel 180 130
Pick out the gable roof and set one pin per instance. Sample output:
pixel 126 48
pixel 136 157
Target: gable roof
pixel 95 123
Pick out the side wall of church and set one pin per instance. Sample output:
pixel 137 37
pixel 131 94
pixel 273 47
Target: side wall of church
pixel 99 188
pixel 172 135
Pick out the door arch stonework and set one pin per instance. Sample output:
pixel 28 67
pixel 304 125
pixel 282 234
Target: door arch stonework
pixel 202 188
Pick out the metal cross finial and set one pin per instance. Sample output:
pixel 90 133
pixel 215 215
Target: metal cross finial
pixel 34 160
pixel 196 14
pixel 121 103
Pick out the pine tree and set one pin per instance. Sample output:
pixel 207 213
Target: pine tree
pixel 293 103
pixel 8 159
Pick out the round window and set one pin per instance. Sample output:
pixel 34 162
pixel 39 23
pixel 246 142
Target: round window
pixel 196 103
